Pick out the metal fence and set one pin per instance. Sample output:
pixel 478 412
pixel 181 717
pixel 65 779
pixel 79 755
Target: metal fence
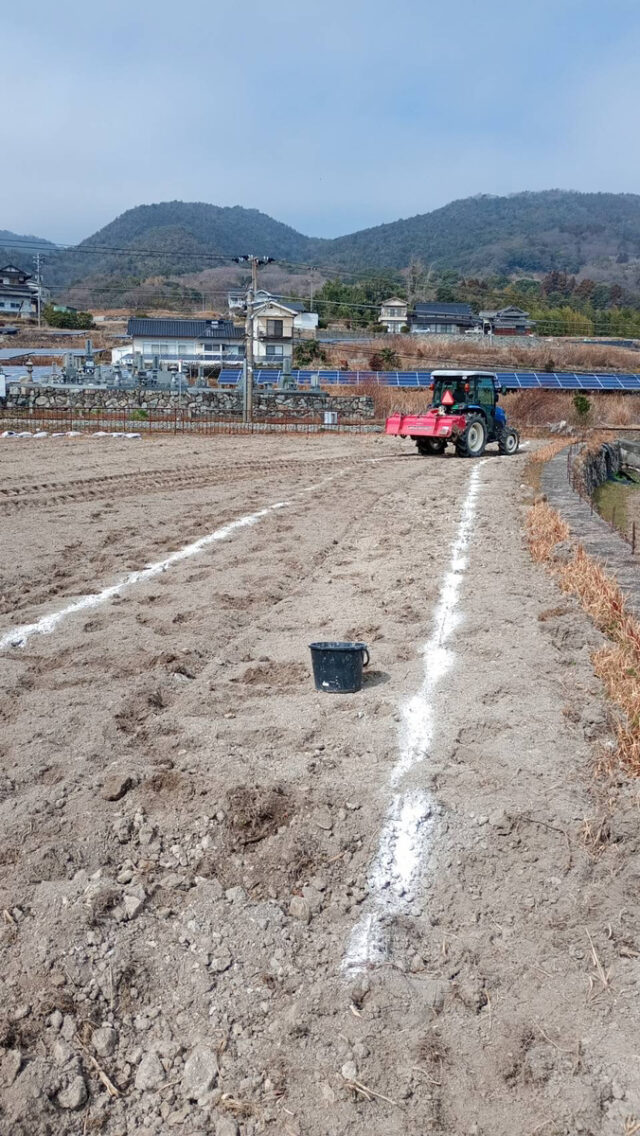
pixel 174 421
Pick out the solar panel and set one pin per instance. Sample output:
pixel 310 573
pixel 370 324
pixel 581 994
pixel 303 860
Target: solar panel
pixel 568 382
pixel 608 382
pixel 511 380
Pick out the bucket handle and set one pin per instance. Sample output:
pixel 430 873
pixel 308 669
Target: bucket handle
pixel 365 651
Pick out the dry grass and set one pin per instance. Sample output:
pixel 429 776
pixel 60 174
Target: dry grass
pixel 422 353
pixel 523 408
pixel 545 453
pixel 545 529
pixel 538 458
pixel 618 663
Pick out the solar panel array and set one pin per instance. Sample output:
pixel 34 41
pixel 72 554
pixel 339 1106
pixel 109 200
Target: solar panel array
pixel 531 380
pixel 512 380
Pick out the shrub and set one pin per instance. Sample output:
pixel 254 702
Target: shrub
pixel 79 321
pixel 582 405
pixel 308 351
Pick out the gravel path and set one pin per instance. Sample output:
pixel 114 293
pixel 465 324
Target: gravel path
pixel 190 835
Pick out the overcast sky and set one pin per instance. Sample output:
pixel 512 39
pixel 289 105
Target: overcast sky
pixel 330 115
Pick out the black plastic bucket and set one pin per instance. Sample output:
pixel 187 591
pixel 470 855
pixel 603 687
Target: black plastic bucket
pixel 337 667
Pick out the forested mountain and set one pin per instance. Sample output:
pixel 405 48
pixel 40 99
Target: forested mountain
pixel 177 237
pixel 526 233
pixel 18 249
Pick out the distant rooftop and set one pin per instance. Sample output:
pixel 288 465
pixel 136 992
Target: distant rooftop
pixel 436 309
pixel 185 329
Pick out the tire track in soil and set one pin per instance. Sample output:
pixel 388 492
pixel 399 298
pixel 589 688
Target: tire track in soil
pixel 94 599
pixel 156 481
pixel 63 581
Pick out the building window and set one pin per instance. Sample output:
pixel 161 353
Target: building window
pixel 183 349
pixel 274 327
pixel 274 349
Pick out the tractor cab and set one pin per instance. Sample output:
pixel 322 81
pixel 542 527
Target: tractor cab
pixel 457 393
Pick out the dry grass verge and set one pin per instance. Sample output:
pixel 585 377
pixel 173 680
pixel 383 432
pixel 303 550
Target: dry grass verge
pixel 523 408
pixel 617 664
pixel 423 352
pixel 538 458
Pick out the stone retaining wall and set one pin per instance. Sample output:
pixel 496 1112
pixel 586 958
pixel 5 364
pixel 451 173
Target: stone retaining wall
pixel 596 468
pixel 303 405
pixel 596 536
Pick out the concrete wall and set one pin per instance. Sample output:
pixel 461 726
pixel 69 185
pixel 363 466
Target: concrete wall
pixel 303 405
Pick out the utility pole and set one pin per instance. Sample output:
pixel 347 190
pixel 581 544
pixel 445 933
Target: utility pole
pixel 249 332
pixel 39 292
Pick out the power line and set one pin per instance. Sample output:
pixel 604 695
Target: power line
pixel 27 245
pixel 31 246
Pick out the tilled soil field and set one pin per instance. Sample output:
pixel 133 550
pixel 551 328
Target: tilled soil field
pixel 231 904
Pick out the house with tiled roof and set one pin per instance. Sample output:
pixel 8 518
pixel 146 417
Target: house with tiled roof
pixel 18 293
pixel 437 318
pixel 506 321
pixel 189 341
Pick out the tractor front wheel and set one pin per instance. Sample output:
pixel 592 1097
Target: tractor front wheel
pixel 509 441
pixel 471 444
pixel 429 447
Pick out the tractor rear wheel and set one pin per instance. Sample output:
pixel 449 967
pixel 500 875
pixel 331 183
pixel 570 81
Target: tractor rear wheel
pixel 471 444
pixel 509 441
pixel 429 447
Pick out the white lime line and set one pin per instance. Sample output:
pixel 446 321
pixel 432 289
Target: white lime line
pixel 407 831
pixel 18 636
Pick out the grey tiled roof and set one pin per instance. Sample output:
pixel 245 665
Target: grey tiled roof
pixel 185 329
pixel 437 309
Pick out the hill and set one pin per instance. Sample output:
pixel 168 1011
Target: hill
pixel 525 233
pixel 177 237
pixel 19 249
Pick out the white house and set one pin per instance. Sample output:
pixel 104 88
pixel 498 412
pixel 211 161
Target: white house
pixel 305 323
pixel 18 293
pixel 273 325
pixel 393 314
pixel 188 341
